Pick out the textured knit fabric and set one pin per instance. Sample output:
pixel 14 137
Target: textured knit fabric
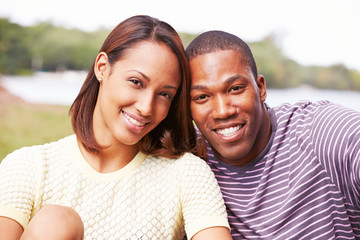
pixel 150 198
pixel 306 182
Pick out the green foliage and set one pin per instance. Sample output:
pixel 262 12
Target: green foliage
pixel 333 77
pixel 15 56
pixel 279 71
pixel 61 49
pixel 44 47
pixel 186 38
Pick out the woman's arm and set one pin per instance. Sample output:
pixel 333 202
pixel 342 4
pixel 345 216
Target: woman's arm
pixel 202 204
pixel 18 182
pixel 213 233
pixel 10 229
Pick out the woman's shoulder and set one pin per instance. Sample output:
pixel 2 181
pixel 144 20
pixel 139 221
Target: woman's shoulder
pixel 187 162
pixel 38 152
pixel 192 159
pixel 186 158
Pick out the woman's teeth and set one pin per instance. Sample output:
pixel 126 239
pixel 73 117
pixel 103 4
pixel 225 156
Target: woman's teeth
pixel 133 121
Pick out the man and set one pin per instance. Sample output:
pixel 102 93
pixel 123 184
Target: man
pixel 289 172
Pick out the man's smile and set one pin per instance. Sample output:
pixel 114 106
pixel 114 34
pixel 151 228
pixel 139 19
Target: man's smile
pixel 227 132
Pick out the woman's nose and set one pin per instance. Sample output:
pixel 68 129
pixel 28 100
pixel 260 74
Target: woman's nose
pixel 145 103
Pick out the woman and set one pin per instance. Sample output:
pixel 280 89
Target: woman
pixel 117 178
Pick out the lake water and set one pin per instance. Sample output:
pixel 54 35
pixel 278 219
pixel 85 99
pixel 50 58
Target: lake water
pixel 42 87
pixel 62 88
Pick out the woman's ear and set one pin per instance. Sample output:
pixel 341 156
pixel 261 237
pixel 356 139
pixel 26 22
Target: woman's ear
pixel 101 65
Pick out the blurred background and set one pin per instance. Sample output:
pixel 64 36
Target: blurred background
pixel 306 49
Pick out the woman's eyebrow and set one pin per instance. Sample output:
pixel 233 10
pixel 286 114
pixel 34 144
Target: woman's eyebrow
pixel 148 78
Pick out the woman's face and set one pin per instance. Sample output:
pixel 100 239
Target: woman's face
pixel 135 93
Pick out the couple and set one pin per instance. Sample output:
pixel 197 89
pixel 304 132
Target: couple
pixel 288 172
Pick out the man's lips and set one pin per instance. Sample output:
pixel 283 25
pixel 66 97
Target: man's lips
pixel 229 131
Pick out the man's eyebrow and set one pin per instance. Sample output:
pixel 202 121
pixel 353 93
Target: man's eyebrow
pixel 233 78
pixel 227 81
pixel 198 87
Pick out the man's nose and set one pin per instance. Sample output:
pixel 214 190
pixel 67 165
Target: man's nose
pixel 222 107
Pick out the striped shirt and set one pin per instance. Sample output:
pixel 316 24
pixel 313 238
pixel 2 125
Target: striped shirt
pixel 306 182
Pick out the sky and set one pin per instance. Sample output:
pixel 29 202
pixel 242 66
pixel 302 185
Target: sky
pixel 311 32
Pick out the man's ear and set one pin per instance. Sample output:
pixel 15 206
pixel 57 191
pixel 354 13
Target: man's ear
pixel 101 65
pixel 260 82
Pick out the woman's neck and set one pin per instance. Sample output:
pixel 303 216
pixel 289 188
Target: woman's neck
pixel 111 158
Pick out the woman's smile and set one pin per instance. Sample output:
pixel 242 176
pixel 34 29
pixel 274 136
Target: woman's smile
pixel 138 89
pixel 135 123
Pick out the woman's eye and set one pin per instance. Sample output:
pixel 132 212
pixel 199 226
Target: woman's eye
pixel 166 95
pixel 136 81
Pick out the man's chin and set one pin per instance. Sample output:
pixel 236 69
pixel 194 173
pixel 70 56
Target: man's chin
pixel 230 155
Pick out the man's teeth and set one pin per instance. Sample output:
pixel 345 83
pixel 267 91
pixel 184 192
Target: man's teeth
pixel 133 121
pixel 227 132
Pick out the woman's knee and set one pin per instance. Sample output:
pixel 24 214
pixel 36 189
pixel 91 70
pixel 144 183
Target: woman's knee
pixel 55 222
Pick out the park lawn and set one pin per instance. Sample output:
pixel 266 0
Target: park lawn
pixel 26 124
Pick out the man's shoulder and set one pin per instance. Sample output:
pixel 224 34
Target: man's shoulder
pixel 303 109
pixel 308 108
pixel 301 105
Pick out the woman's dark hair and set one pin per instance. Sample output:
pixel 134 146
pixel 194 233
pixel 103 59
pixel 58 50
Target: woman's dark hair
pixel 175 134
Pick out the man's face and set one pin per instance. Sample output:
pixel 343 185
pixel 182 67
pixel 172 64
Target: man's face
pixel 227 106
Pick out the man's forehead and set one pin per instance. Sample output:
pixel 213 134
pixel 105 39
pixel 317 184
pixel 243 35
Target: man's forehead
pixel 225 60
pixel 219 82
pixel 212 56
pixel 223 66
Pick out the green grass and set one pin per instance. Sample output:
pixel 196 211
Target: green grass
pixel 24 124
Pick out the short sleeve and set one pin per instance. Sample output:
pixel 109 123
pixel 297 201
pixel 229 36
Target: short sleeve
pixel 18 183
pixel 202 203
pixel 336 141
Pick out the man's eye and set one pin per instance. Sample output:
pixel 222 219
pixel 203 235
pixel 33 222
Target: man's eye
pixel 200 98
pixel 236 88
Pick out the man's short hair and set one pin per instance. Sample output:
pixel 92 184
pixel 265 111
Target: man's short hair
pixel 214 41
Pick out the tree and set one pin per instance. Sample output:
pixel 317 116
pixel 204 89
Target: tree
pixel 14 48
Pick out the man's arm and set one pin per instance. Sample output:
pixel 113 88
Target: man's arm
pixel 336 141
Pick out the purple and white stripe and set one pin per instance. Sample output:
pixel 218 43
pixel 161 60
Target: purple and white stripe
pixel 305 184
